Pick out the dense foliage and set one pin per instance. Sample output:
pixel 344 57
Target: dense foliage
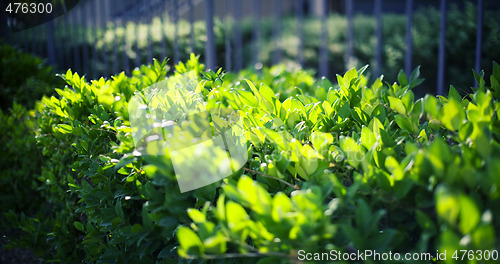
pixel 346 165
pixel 24 78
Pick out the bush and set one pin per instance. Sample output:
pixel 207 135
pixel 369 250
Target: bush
pixel 354 166
pixel 24 78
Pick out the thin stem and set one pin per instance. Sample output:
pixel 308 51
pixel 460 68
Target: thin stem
pixel 272 177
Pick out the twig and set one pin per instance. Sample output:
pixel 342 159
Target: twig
pixel 272 177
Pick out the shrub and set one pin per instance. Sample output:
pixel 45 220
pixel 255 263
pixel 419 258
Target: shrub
pixel 354 166
pixel 24 78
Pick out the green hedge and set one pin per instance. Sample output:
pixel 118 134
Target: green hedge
pixel 24 78
pixel 342 166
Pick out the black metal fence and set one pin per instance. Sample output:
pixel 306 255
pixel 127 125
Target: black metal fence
pixel 85 24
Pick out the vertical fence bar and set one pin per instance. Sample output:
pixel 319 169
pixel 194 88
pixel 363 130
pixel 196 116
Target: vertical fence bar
pixel 126 42
pixel 442 55
pixel 227 36
pixel 256 31
pixel 104 15
pixel 149 30
pixel 238 58
pixel 24 39
pixel 210 59
pixel 479 36
pixel 299 13
pixel 76 41
pixel 323 49
pixel 409 36
pixel 176 31
pixel 191 24
pixel 43 41
pixel 277 31
pixel 350 33
pixel 34 38
pixel 97 30
pixel 378 35
pixel 164 21
pixel 138 54
pixel 115 45
pixel 58 56
pixel 93 40
pixel 51 53
pixel 4 28
pixel 85 43
pixel 67 43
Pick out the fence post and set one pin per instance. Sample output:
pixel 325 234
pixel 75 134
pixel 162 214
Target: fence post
pixel 76 40
pixel 85 52
pixel 149 30
pixel 323 50
pixel 479 36
pixel 104 17
pixel 51 54
pixel 350 33
pixel 227 36
pixel 95 24
pixel 35 35
pixel 210 59
pixel 93 39
pixel 378 34
pixel 299 12
pixel 238 62
pixel 67 42
pixel 137 23
pixel 277 31
pixel 442 43
pixel 163 42
pixel 4 28
pixel 191 23
pixel 256 32
pixel 409 36
pixel 176 31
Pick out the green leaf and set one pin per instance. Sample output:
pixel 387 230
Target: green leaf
pixel 247 98
pixel 353 151
pixel 453 94
pixel 236 216
pixel 196 215
pixel 368 138
pixel 393 166
pixel 397 105
pixel 447 204
pixel 267 92
pixel 64 129
pixel 453 115
pixel 426 223
pixel 119 210
pixel 496 70
pixel 78 226
pixel 215 244
pixel 403 123
pixel 431 105
pixel 469 214
pixel 190 243
pixel 403 81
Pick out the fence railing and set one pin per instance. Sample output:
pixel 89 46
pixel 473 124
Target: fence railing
pixel 87 21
